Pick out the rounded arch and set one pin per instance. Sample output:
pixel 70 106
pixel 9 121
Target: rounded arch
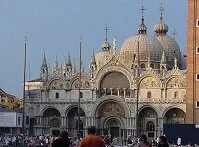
pixel 147 111
pixel 49 107
pixel 116 99
pixel 56 83
pixel 84 80
pixel 71 107
pixel 108 119
pixel 149 81
pixel 147 106
pixel 176 82
pixel 174 116
pixel 106 69
pixel 171 107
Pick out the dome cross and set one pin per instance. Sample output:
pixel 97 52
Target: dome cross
pixel 161 9
pixel 142 10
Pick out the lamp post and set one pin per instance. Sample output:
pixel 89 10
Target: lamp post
pixel 79 90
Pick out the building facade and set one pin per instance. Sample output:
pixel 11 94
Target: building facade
pixel 192 63
pixel 143 78
pixel 9 101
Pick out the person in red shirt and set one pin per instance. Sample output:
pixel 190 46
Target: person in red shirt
pixel 92 140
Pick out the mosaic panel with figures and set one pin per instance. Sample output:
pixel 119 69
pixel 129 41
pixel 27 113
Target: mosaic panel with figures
pixel 111 109
pixel 176 83
pixel 56 84
pixel 150 82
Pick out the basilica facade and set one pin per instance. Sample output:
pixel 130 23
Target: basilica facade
pixel 138 86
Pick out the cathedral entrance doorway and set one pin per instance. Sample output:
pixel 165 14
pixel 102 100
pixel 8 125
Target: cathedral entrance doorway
pixel 113 126
pixel 51 121
pixel 110 115
pixel 72 121
pixel 147 122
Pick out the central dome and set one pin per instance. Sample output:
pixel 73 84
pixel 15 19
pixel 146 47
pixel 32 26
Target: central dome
pixel 148 47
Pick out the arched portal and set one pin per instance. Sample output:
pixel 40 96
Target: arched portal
pixel 109 117
pixel 115 83
pixel 174 116
pixel 147 122
pixel 112 127
pixel 72 121
pixel 52 121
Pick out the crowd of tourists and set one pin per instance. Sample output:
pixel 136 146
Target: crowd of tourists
pixel 90 140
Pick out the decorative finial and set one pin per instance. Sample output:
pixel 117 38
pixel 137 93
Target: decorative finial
pixel 114 43
pixel 174 33
pixel 161 11
pixel 142 10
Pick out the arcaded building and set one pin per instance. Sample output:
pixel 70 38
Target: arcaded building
pixel 145 77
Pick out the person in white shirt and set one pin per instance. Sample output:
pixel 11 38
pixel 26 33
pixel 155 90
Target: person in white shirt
pixel 179 141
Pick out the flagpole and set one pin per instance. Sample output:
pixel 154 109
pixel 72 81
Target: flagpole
pixel 80 68
pixel 24 80
pixel 137 95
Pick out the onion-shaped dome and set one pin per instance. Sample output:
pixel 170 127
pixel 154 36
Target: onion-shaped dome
pixel 148 46
pixel 161 28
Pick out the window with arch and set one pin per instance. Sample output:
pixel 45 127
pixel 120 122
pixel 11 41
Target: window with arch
pixel 149 94
pixel 57 95
pixel 176 94
pixel 152 65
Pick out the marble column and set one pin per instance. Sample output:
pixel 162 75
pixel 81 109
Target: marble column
pixel 124 92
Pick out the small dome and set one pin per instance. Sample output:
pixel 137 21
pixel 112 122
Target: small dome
pixel 106 46
pixel 161 28
pixel 142 28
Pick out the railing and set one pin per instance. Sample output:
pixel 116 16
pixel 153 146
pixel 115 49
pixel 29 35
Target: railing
pixel 156 100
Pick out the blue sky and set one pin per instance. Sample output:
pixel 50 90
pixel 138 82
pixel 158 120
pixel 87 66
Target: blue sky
pixel 55 26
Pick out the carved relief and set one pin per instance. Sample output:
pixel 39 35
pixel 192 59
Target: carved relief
pixel 84 84
pixel 176 83
pixel 111 109
pixel 150 82
pixel 56 84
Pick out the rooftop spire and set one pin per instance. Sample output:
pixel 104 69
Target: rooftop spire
pixel 106 33
pixel 161 9
pixel 44 63
pixel 142 28
pixel 93 61
pixel 68 61
pixel 106 46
